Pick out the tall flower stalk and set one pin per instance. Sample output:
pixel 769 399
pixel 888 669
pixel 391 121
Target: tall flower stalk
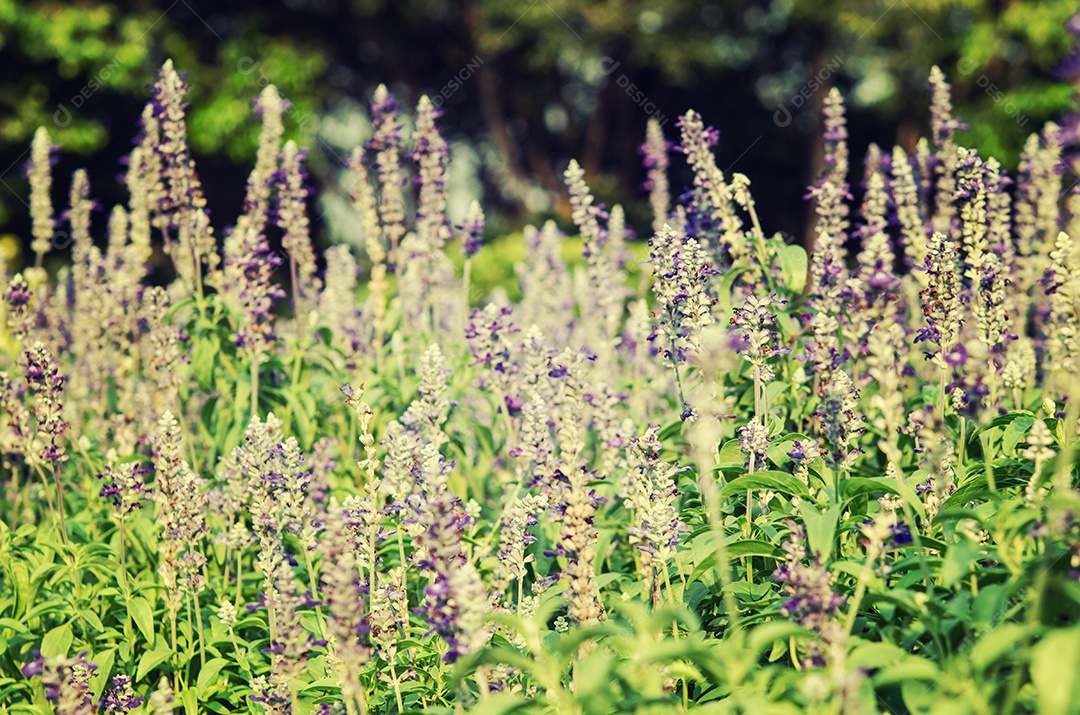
pixel 680 284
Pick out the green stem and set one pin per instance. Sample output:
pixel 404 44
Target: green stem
pixel 239 577
pixel 254 385
pixel 199 624
pixel 860 591
pixel 315 591
pixel 397 686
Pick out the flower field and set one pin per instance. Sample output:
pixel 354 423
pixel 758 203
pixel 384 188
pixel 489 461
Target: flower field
pixel 731 478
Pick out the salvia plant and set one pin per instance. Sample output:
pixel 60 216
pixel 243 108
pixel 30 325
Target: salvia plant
pixel 754 481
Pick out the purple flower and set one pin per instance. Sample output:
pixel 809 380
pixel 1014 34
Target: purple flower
pixel 811 600
pixel 66 681
pixel 121 699
pixel 124 487
pixel 472 230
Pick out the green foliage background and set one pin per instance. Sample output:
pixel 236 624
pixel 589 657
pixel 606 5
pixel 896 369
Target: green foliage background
pixel 539 96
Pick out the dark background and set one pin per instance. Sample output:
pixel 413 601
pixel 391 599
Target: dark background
pixel 532 94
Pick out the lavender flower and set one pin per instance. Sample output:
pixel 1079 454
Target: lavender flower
pixel 364 202
pixel 650 492
pixel 389 612
pixel 906 198
pixel 181 514
pixel 655 152
pixel 680 284
pixel 829 257
pixel 488 336
pixel 249 288
pixel 944 126
pixel 344 597
pixel 535 451
pixel 874 281
pixel 754 328
pixel 991 315
pixel 429 411
pixel 293 221
pixel 163 698
pixel 17 436
pixel 455 602
pixel 886 354
pixel 1064 287
pixel 121 699
pixel 270 106
pixel 165 343
pixel 841 423
pixel 124 488
pixel 811 599
pixel 577 543
pixel 386 144
pixel 66 681
pixel 941 302
pixel 804 452
pixel 545 282
pixel 39 171
pixel 472 230
pixel 278 482
pixel 605 294
pixel 338 310
pixel 20 316
pixel 181 206
pixel 711 215
pixel 44 380
pixel 754 442
pixel 431 153
pixel 515 538
pixel 145 186
pixel 83 250
pixel 586 214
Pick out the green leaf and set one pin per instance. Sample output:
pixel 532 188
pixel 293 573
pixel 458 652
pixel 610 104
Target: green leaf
pixel 998 643
pixel 872 656
pixel 910 668
pixel 140 611
pixel 104 661
pixel 821 528
pixel 1015 432
pixel 208 675
pixel 13 625
pixel 752 547
pixel 793 263
pixel 723 295
pixel 499 704
pixel 731 455
pixel 858 486
pixel 190 701
pixel 768 633
pixel 670 430
pixel 919 698
pixel 153 658
pixel 93 620
pixel 958 561
pixel 57 641
pixel 779 447
pixel 1055 671
pixel 776 481
pixel 202 359
pixel 1002 420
